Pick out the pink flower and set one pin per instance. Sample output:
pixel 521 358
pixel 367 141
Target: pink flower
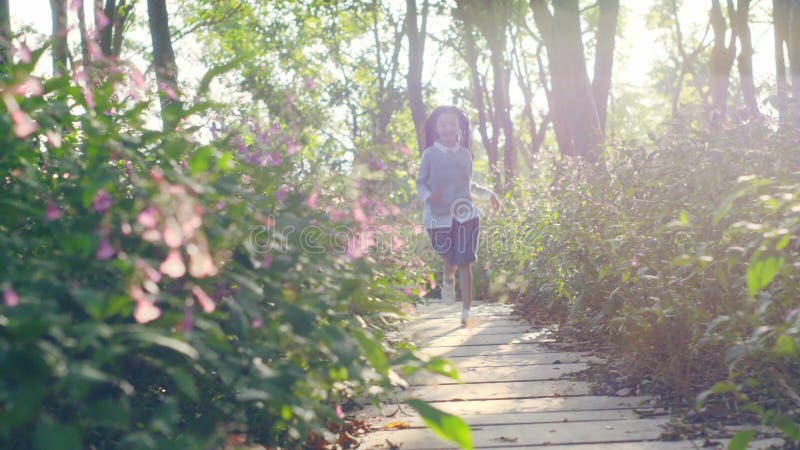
pixel 53 212
pixel 137 77
pixel 634 261
pixel 404 150
pixel 24 54
pixel 292 147
pixel 200 264
pixel 274 159
pixel 101 19
pixel 31 86
pixel 148 218
pixel 173 266
pixel 281 193
pixel 10 298
pixel 173 235
pixel 23 124
pixel 101 201
pixel 206 303
pixel 94 50
pixel 266 261
pixel 168 91
pixel 311 201
pixel 105 250
pixel 146 311
pixel 339 412
pixel 359 216
pixel 151 273
pixel 256 323
pixel 310 83
pixel 88 95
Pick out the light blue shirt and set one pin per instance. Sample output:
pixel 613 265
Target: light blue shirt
pixel 460 207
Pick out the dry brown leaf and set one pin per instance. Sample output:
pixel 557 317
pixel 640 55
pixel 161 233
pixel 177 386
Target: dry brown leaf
pixel 397 425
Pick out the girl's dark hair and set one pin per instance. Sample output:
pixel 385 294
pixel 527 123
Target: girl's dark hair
pixel 463 125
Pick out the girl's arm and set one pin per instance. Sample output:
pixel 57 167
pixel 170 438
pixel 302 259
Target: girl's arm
pixel 423 177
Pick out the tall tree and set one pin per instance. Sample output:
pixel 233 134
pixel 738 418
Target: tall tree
pixel 722 57
pixel 780 26
pixel 163 59
pixel 416 49
pixel 489 135
pixel 572 107
pixel 58 13
pixel 744 62
pixel 604 57
pixel 794 61
pixel 523 75
pixel 5 33
pixel 495 35
pixel 112 27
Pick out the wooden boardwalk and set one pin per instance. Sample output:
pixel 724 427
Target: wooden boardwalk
pixel 516 391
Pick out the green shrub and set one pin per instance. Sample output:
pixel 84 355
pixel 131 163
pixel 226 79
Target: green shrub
pixel 169 289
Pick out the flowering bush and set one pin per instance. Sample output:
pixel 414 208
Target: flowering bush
pixel 166 290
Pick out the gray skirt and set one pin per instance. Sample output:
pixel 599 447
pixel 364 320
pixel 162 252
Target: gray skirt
pixel 457 244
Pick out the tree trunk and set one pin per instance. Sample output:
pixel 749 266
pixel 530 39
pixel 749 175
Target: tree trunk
pixel 471 58
pixel 573 112
pixel 794 62
pixel 58 13
pixel 496 38
pixel 120 16
pixel 780 20
pixel 744 61
pixel 5 33
pixel 163 61
pixel 604 57
pixel 722 57
pixel 416 50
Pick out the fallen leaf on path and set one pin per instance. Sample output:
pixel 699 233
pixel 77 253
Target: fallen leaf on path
pixel 397 424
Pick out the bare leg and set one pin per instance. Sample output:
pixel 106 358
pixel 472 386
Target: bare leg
pixel 450 273
pixel 465 283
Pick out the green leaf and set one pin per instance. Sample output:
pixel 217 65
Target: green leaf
pixel 184 382
pixel 50 435
pixel 447 426
pixel 741 440
pixel 168 342
pixel 785 346
pixel 788 426
pixel 442 367
pixel 200 161
pixel 373 352
pixel 760 272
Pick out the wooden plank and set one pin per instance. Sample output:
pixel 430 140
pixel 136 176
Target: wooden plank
pixel 502 374
pixel 412 420
pixel 522 359
pixel 762 444
pixel 487 339
pixel 476 330
pixel 509 406
pixel 528 434
pixel 488 350
pixel 453 324
pixel 513 389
